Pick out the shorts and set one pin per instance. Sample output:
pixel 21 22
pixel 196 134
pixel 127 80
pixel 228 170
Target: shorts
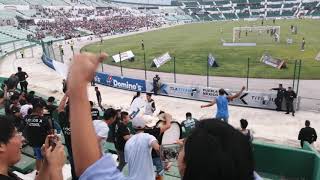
pixel 37 153
pixel 159 166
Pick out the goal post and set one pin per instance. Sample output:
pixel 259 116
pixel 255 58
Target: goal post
pixel 273 31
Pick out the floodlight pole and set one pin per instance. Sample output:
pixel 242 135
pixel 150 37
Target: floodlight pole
pixel 300 64
pixel 294 74
pixel 145 66
pixel 174 69
pixel 248 72
pixel 207 71
pixel 120 64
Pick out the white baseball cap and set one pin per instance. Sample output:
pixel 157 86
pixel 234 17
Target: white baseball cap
pixel 139 122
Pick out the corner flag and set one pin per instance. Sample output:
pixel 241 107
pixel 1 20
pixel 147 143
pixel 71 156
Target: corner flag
pixel 212 61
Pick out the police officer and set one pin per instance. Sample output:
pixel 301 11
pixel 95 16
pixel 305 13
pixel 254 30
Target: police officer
pixel 156 84
pixel 280 96
pixel 290 95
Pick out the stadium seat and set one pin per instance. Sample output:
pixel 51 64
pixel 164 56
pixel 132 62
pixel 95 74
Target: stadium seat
pixel 109 147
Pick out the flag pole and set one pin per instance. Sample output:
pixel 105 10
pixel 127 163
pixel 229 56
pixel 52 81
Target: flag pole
pixel 208 71
pixel 144 60
pixel 174 69
pixel 120 64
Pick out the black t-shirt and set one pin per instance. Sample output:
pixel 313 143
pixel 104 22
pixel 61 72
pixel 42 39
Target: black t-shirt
pixel 290 96
pixel 98 94
pixel 307 134
pixel 51 108
pixel 11 176
pixel 120 131
pixel 36 130
pixel 156 133
pixel 94 113
pixel 65 126
pixel 21 75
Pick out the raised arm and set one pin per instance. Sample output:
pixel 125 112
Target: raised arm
pixel 84 144
pixel 230 98
pixel 62 103
pixel 168 119
pixel 210 104
pixel 155 145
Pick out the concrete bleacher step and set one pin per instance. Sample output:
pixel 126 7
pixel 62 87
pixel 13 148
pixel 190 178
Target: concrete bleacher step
pixel 28 151
pixel 109 147
pixel 25 165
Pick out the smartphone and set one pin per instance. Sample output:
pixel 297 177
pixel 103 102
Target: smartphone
pixel 53 142
pixel 169 152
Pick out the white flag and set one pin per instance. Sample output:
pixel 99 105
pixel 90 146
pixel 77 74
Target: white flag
pixel 162 59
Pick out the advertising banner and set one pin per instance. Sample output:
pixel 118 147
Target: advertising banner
pixel 162 60
pixel 247 98
pixel 61 68
pixel 120 82
pixel 276 63
pixel 124 56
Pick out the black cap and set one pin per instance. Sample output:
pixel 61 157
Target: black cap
pixel 37 103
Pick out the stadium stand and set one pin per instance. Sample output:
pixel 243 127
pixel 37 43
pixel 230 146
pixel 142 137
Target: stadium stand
pixel 244 15
pixel 14 2
pixel 15 32
pixel 230 16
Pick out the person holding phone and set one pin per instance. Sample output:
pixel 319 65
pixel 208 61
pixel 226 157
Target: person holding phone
pixel 10 154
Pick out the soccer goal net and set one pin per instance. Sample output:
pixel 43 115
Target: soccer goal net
pixel 256 34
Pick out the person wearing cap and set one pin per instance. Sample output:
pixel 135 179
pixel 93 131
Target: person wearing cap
pixel 94 112
pixel 157 132
pixel 101 127
pixel 36 130
pixel 150 106
pixel 280 95
pixel 137 151
pixel 156 80
pixel 222 102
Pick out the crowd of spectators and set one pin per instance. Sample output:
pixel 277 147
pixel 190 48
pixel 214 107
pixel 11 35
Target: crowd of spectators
pixel 210 148
pixel 108 25
pixel 112 20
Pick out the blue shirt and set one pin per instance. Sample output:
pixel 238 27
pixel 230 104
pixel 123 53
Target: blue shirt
pixel 222 104
pixel 103 169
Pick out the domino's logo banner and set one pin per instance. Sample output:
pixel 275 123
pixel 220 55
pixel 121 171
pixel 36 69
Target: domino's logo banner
pixel 120 82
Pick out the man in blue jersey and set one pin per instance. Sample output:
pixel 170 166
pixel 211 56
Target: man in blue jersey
pixel 222 102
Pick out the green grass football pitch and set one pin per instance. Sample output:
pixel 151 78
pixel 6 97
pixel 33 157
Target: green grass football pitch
pixel 190 44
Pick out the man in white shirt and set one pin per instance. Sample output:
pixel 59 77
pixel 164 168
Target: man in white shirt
pixel 101 127
pixel 138 152
pixel 24 109
pixel 150 106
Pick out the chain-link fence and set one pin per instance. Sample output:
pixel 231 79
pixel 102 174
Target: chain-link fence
pixel 21 48
pixel 254 74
